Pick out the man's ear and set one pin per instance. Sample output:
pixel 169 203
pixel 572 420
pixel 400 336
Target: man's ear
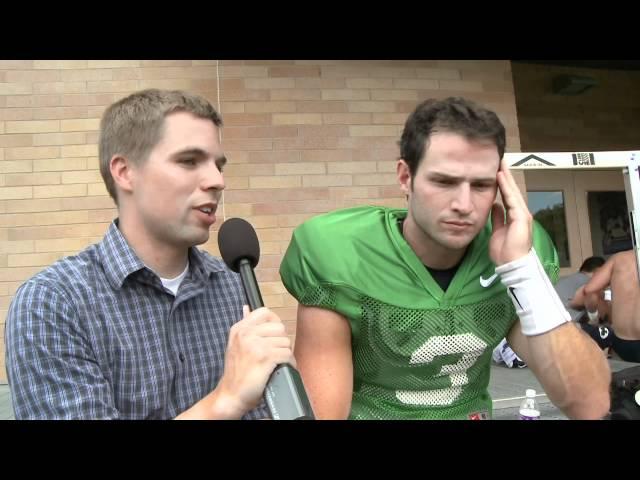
pixel 122 172
pixel 404 176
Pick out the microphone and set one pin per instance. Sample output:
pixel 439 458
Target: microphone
pixel 285 394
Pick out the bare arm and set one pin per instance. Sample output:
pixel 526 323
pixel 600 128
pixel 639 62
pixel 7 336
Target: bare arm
pixel 577 301
pixel 323 353
pixel 596 302
pixel 572 369
pixel 595 286
pixel 562 359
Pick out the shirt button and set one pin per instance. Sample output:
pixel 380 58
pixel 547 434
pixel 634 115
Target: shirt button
pixel 181 357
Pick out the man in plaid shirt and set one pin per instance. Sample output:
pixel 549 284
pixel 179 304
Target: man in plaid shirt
pixel 144 325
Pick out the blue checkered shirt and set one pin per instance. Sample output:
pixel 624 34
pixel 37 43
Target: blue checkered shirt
pixel 97 336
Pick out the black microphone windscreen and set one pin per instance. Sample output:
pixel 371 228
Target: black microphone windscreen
pixel 237 239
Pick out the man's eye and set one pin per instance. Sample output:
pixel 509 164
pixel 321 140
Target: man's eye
pixel 188 161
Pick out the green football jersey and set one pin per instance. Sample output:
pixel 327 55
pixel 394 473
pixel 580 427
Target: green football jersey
pixel 418 352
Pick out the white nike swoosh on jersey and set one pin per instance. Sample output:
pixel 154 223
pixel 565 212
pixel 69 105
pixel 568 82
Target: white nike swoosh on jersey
pixel 485 282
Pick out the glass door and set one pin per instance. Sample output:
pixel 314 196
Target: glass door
pixel 603 214
pixel 584 212
pixel 552 202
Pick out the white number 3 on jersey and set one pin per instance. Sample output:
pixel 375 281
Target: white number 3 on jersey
pixel 471 348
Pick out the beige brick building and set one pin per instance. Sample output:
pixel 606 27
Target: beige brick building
pixel 302 138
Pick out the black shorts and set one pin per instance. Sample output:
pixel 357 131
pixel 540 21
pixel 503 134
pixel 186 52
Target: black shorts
pixel 604 336
pixel 600 334
pixel 628 350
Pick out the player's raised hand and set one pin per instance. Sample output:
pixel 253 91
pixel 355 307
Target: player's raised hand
pixel 512 237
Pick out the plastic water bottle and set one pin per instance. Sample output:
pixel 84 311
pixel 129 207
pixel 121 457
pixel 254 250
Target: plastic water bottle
pixel 529 407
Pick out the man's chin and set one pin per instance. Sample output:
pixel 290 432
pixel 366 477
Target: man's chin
pixel 457 243
pixel 200 240
pixel 196 237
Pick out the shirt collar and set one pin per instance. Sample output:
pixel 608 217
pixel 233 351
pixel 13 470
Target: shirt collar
pixel 119 260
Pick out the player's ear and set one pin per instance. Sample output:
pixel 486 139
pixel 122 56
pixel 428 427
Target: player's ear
pixel 404 176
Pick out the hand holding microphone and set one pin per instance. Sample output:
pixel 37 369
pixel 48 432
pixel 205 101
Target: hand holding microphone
pixel 258 344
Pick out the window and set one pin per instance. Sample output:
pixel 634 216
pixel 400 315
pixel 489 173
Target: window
pixel 609 219
pixel 549 210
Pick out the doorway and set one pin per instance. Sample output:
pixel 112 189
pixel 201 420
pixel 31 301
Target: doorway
pixel 584 212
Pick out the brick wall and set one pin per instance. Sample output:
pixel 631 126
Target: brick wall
pixel 302 138
pixel 606 117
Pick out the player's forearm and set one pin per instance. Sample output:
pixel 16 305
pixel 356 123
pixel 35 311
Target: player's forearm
pixel 570 366
pixel 572 370
pixel 329 390
pixel 330 407
pixel 324 356
pixel 328 379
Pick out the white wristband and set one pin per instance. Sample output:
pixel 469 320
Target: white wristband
pixel 593 316
pixel 537 303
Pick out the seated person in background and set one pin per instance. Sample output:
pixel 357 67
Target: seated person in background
pixel 567 286
pixel 620 272
pixel 570 290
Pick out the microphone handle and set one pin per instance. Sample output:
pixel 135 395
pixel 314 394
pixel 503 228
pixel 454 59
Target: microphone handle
pixel 250 284
pixel 285 394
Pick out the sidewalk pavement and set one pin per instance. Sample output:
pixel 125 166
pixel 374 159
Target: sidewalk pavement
pixel 507 388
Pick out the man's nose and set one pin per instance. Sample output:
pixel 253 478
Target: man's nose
pixel 212 177
pixel 462 199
